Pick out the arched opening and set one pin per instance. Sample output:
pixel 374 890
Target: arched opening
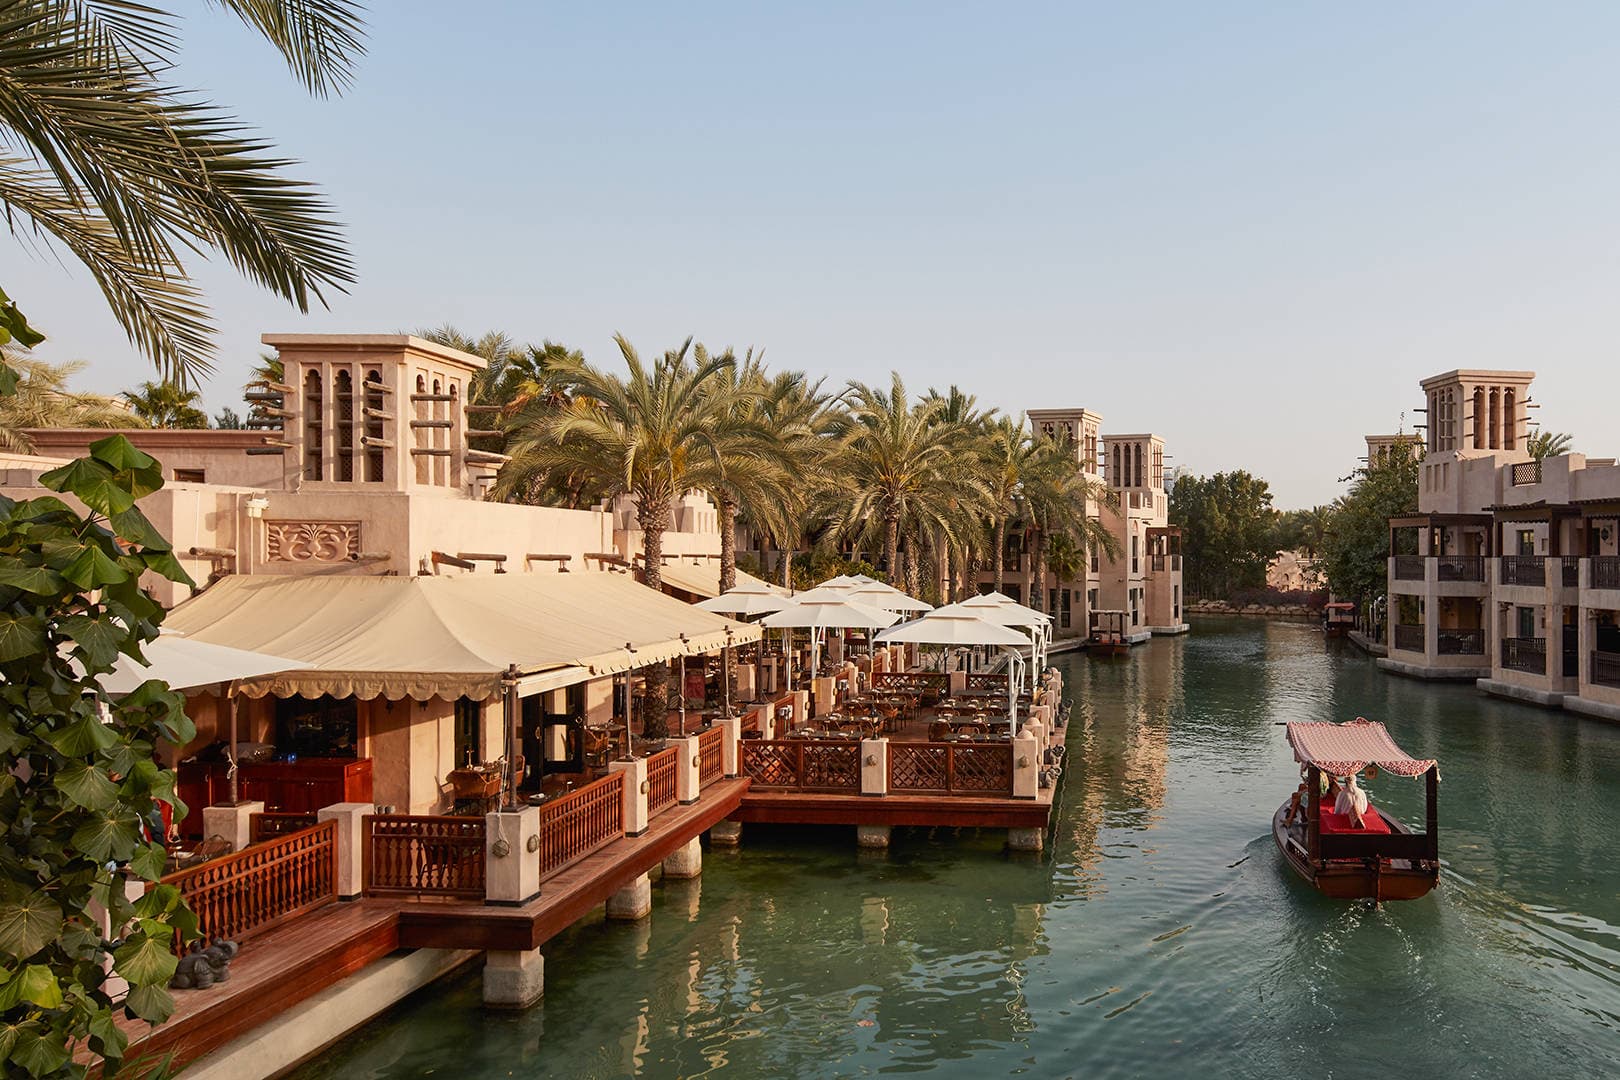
pixel 343 391
pixel 419 435
pixel 374 427
pixel 1480 438
pixel 1496 420
pixel 1510 421
pixel 314 424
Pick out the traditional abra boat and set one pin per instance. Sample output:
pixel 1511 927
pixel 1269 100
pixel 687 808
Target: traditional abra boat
pixel 1108 634
pixel 1379 860
pixel 1338 619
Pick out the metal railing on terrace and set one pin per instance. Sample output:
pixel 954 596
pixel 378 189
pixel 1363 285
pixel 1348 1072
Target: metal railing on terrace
pixel 1460 642
pixel 1524 570
pixel 1605 572
pixel 1409 638
pixel 1525 654
pixel 1604 669
pixel 1409 568
pixel 1460 567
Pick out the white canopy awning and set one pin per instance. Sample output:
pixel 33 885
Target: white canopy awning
pixel 186 664
pixel 828 613
pixel 454 636
pixel 751 597
pixel 943 626
pixel 1006 611
pixel 702 577
pixel 878 595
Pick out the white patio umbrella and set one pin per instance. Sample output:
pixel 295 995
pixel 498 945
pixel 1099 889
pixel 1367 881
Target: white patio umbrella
pixel 826 613
pixel 1000 608
pixel 887 597
pixel 749 597
pixel 189 665
pixel 951 625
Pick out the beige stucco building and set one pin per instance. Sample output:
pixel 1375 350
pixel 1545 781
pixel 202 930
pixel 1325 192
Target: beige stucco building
pixel 370 475
pixel 1509 574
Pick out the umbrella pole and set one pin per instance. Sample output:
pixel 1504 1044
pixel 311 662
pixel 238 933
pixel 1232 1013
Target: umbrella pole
pixel 230 698
pixel 682 699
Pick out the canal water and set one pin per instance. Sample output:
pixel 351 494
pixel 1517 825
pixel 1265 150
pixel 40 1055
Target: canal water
pixel 1160 934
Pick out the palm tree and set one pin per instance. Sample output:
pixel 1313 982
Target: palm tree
pixel 897 469
pixel 165 405
pixel 128 171
pixel 649 435
pixel 42 400
pixel 1007 451
pixel 1545 444
pixel 1056 495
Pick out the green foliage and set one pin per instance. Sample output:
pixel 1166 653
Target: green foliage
pixel 129 172
pixel 1545 444
pixel 78 786
pixel 165 405
pixel 1355 545
pixel 1229 531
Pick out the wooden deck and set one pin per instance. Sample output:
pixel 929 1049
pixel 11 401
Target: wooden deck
pixel 569 895
pixel 274 971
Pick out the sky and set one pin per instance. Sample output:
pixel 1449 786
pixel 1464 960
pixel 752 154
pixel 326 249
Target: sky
pixel 1251 228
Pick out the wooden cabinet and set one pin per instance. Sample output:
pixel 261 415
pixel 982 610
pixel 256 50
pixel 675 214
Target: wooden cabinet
pixel 302 786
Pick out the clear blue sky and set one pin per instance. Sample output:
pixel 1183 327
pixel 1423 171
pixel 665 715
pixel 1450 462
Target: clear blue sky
pixel 1249 227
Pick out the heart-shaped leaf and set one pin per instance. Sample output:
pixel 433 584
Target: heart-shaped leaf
pixel 110 835
pixel 38 580
pixel 20 636
pixel 88 786
pixel 99 638
pixel 94 484
pixel 144 961
pixel 93 568
pixel 29 924
pixel 151 1003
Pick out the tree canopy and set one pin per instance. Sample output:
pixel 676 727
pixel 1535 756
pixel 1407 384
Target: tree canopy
pixel 1355 546
pixel 1228 531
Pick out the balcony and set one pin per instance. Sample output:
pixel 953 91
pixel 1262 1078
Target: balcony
pixel 1528 655
pixel 1461 642
pixel 1605 572
pixel 1604 669
pixel 1409 638
pixel 1460 567
pixel 1409 568
pixel 1572 573
pixel 1524 570
pixel 1526 472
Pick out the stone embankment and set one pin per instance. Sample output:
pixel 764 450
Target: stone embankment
pixel 1267 611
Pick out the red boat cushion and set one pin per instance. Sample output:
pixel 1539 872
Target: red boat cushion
pixel 1341 823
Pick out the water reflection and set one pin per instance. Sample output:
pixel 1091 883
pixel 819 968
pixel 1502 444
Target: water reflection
pixel 1160 935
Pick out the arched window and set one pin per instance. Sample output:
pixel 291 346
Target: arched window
pixel 1115 477
pixel 1496 420
pixel 419 435
pixel 1510 421
pixel 343 391
pixel 314 424
pixel 1139 482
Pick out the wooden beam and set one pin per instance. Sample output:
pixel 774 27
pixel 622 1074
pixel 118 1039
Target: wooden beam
pixel 439 558
pixel 381 444
pixel 432 423
pixel 432 397
pixel 428 451
pixel 376 414
pixel 280 388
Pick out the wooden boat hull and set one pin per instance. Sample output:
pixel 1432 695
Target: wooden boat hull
pixel 1108 648
pixel 1336 630
pixel 1355 879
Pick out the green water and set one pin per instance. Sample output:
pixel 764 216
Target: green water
pixel 1159 936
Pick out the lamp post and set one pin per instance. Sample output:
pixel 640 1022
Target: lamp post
pixel 681 689
pixel 629 733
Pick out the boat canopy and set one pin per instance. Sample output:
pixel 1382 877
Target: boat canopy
pixel 1340 605
pixel 1345 749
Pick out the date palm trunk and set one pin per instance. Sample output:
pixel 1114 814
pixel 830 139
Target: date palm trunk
pixel 728 579
pixel 999 556
pixel 652 513
pixel 891 546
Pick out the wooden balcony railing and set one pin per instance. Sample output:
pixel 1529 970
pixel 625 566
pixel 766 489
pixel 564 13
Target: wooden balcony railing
pixel 803 765
pixel 1460 567
pixel 981 682
pixel 711 756
pixel 1605 669
pixel 423 855
pixel 1409 567
pixel 912 682
pixel 1409 638
pixel 1460 642
pixel 950 769
pixel 1525 654
pixel 661 768
pixel 1524 570
pixel 573 826
pixel 1526 472
pixel 252 890
pixel 273 823
pixel 1605 573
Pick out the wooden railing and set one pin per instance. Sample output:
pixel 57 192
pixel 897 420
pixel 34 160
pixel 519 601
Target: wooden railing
pixel 1409 567
pixel 1605 573
pixel 270 824
pixel 912 682
pixel 1460 642
pixel 711 756
pixel 803 765
pixel 1409 638
pixel 411 855
pixel 950 768
pixel 573 826
pixel 1524 570
pixel 982 681
pixel 252 890
pixel 1460 567
pixel 661 790
pixel 1525 654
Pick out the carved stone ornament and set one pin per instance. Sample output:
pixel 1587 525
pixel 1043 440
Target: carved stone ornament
pixel 311 541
